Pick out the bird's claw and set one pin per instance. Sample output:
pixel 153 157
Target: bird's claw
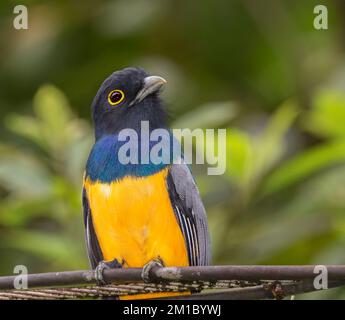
pixel 105 265
pixel 145 274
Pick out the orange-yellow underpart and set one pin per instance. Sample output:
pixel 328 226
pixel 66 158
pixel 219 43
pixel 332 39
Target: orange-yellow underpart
pixel 134 222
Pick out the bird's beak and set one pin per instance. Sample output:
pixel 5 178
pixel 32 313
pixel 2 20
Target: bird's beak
pixel 151 84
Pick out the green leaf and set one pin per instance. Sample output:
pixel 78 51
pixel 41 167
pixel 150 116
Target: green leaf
pixel 76 157
pixel 270 145
pixel 239 156
pixel 249 158
pixel 327 117
pixel 25 126
pixel 18 211
pixel 51 106
pixel 54 113
pixel 303 165
pixel 23 174
pixel 210 115
pixel 48 246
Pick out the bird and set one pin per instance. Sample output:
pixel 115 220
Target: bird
pixel 138 215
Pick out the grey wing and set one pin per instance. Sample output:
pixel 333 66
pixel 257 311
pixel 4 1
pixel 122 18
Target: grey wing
pixel 92 245
pixel 190 214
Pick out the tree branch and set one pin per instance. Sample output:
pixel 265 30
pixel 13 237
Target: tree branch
pixel 181 274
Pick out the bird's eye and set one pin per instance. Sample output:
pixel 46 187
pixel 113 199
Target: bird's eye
pixel 115 97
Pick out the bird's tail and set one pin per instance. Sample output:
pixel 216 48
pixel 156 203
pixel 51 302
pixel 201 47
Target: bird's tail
pixel 156 295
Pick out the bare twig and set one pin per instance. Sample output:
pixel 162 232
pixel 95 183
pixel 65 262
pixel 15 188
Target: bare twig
pixel 182 274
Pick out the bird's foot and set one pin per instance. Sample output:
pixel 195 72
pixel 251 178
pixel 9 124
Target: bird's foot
pixel 114 264
pixel 145 274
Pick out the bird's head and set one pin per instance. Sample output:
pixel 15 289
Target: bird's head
pixel 126 98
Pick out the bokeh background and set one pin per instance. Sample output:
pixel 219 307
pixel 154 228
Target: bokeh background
pixel 258 68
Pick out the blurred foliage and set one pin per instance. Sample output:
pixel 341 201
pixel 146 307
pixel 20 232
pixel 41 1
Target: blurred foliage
pixel 41 180
pixel 259 69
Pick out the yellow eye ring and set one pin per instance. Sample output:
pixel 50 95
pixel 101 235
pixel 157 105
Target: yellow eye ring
pixel 115 97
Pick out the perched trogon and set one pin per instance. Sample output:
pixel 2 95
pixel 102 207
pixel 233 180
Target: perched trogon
pixel 141 212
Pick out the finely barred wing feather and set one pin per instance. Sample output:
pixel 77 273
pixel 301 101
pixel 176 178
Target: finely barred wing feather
pixel 190 213
pixel 92 245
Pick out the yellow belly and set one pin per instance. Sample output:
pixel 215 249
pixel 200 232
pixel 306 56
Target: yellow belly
pixel 134 221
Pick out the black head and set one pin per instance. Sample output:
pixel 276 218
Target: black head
pixel 126 98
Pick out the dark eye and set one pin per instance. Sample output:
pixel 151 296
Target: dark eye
pixel 115 97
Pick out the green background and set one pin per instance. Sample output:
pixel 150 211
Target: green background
pixel 257 68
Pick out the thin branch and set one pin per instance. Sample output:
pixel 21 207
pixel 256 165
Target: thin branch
pixel 205 273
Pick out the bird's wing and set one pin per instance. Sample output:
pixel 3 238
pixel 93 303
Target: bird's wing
pixel 190 213
pixel 92 245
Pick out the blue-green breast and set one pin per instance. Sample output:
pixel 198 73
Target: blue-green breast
pixel 105 166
